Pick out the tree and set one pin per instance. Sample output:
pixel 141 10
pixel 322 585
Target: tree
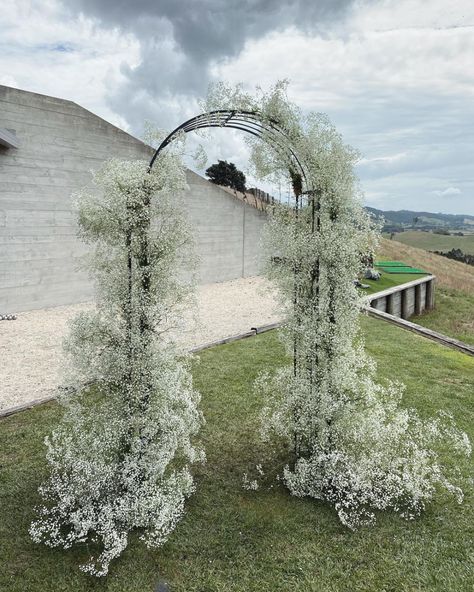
pixel 120 458
pixel 226 174
pixel 349 440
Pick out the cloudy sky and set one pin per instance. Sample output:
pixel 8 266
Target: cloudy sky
pixel 395 76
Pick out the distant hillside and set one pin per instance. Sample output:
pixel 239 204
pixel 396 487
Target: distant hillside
pixel 405 218
pixel 431 241
pixel 450 274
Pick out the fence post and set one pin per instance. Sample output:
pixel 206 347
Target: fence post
pixel 404 299
pixel 430 288
pixel 418 303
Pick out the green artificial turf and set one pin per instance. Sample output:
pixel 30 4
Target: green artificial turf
pixel 390 264
pixel 232 540
pixel 397 267
pixel 406 269
pixel 393 273
pixel 387 280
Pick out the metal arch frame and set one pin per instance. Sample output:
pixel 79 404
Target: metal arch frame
pixel 250 122
pixel 254 123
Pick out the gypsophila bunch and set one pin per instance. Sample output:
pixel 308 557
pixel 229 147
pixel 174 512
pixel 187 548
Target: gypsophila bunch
pixel 120 459
pixel 351 442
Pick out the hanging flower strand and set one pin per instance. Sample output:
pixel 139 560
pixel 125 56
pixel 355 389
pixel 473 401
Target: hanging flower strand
pixel 351 442
pixel 120 458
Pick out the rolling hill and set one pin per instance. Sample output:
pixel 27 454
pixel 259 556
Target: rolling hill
pixel 436 242
pixel 406 217
pixel 450 274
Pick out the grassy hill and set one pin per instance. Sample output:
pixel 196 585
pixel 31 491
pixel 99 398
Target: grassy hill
pixel 436 242
pixel 432 219
pixel 450 274
pixel 453 314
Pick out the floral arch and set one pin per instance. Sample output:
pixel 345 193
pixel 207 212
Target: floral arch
pixel 120 460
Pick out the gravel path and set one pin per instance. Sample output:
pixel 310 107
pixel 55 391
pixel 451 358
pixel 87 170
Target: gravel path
pixel 30 347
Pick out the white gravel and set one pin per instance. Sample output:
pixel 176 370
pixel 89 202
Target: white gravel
pixel 30 347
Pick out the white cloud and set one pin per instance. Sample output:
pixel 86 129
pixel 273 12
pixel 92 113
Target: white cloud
pixel 360 64
pixel 395 76
pixel 44 49
pixel 449 191
pixel 8 80
pixel 397 79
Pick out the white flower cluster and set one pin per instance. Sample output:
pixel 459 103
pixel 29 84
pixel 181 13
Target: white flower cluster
pixel 120 458
pixel 353 444
pixel 249 484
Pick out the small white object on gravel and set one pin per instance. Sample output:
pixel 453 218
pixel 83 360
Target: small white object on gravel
pixel 31 347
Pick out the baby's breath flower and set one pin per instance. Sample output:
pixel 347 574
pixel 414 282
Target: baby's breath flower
pixel 120 459
pixel 354 445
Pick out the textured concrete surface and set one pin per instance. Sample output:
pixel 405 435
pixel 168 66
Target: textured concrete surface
pixel 59 144
pixel 227 232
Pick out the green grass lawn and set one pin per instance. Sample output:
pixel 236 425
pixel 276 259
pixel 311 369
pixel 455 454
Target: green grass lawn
pixel 453 315
pixel 435 242
pixel 231 540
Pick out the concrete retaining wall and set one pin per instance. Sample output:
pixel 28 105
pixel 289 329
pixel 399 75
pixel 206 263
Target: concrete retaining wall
pixel 227 232
pixel 59 144
pixel 407 299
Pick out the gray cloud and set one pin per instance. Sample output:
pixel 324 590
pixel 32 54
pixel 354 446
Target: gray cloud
pixel 414 147
pixel 409 112
pixel 209 29
pixel 180 40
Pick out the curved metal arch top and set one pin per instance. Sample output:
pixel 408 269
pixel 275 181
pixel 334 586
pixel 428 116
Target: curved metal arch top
pixel 250 122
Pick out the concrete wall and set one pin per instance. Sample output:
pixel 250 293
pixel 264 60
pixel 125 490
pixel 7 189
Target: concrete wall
pixel 60 143
pixel 227 231
pixel 407 299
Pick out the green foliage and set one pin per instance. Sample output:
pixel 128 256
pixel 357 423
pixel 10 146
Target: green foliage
pixel 457 255
pixel 226 174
